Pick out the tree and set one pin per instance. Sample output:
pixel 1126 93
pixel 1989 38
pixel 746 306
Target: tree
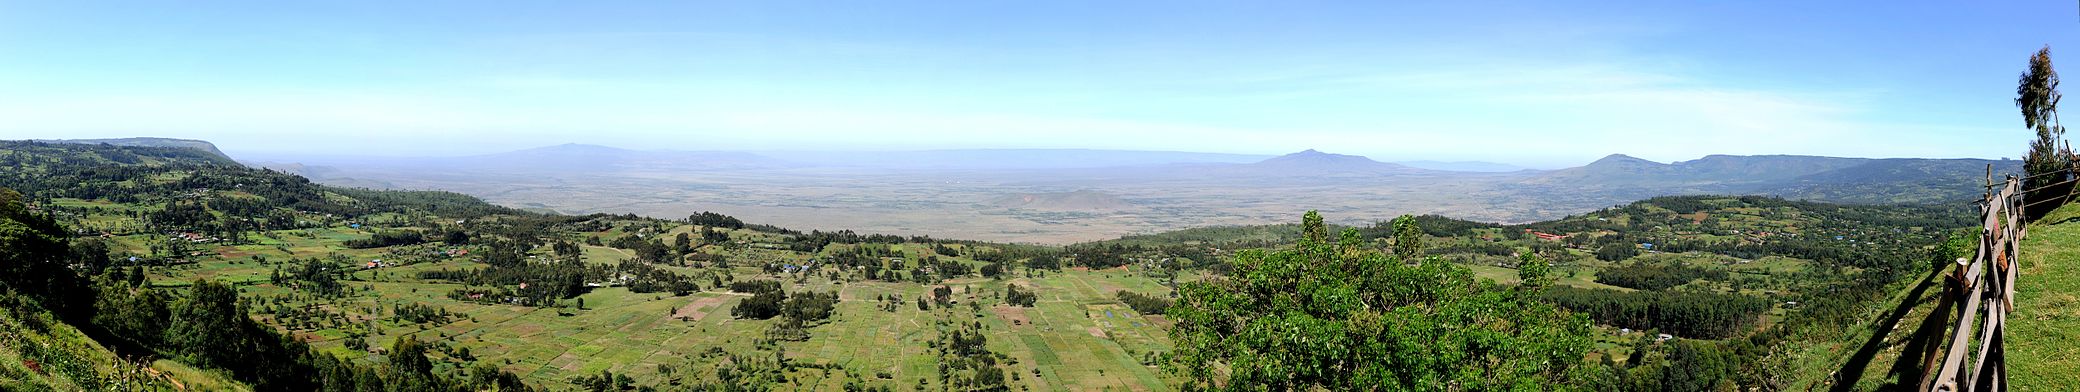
pixel 1312 229
pixel 1535 272
pixel 1318 317
pixel 2037 95
pixel 1408 238
pixel 206 325
pixel 409 368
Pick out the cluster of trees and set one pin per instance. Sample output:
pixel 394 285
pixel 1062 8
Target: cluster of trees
pixel 1019 296
pixel 797 312
pixel 1332 313
pixel 546 281
pixel 312 274
pixel 387 238
pixel 1692 314
pixel 1098 256
pixel 965 362
pixel 1144 304
pixel 768 300
pixel 642 277
pixel 711 219
pixel 421 314
pixel 815 241
pixel 651 250
pixel 1655 275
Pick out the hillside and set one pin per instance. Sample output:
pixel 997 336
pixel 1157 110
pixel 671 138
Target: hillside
pixel 203 145
pixel 2043 339
pixel 40 352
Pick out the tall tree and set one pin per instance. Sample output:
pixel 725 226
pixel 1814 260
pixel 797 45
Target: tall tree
pixel 207 324
pixel 1312 229
pixel 1408 238
pixel 2036 93
pixel 1535 272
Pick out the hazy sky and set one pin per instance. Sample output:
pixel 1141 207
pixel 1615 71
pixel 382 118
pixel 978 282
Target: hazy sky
pixel 1537 83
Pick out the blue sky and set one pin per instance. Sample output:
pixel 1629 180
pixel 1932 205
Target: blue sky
pixel 1536 83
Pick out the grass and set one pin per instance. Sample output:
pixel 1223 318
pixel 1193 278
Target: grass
pixel 193 379
pixel 40 353
pixel 2043 339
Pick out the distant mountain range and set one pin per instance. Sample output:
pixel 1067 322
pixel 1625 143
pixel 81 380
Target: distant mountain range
pixel 1846 180
pixel 1004 159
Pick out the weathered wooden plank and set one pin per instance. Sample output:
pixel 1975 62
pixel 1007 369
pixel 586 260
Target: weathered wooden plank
pixel 1991 329
pixel 1960 340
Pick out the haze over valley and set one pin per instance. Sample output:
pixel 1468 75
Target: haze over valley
pixel 1061 196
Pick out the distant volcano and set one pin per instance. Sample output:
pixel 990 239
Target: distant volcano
pixel 1317 162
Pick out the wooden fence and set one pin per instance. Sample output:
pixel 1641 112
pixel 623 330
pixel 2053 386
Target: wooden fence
pixel 1985 287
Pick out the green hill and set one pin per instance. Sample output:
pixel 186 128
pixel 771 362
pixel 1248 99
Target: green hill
pixel 204 146
pixel 2044 335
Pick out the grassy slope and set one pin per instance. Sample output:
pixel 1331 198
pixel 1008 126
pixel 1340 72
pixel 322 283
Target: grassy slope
pixel 39 353
pixel 1869 355
pixel 52 356
pixel 2044 339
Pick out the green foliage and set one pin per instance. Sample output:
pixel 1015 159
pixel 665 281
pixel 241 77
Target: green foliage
pixel 760 306
pixel 1145 304
pixel 1408 238
pixel 1534 272
pixel 1683 313
pixel 387 238
pixel 1654 274
pixel 206 325
pixel 1312 229
pixel 965 361
pixel 1019 296
pixel 1341 319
